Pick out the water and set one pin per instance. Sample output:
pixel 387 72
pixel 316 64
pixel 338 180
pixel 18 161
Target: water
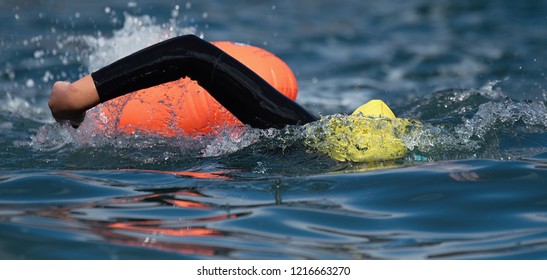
pixel 472 187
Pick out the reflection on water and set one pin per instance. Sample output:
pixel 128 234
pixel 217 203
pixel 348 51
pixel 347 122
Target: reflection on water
pixel 461 209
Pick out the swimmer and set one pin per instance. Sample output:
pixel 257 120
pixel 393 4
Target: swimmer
pixel 246 95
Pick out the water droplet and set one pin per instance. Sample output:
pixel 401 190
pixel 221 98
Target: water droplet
pixel 47 77
pixel 38 54
pixel 11 74
pixel 175 12
pixel 30 83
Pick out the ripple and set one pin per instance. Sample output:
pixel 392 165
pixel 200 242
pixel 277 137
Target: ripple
pixel 55 189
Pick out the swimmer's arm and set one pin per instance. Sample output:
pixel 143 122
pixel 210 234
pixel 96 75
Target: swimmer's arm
pixel 251 99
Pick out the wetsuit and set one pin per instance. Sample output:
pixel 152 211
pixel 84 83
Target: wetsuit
pixel 245 94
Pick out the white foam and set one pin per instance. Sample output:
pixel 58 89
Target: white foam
pixel 137 33
pixel 494 116
pixel 23 108
pixel 479 135
pixel 230 140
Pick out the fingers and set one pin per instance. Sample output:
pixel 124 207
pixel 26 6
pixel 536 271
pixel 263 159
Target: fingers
pixel 77 120
pixel 74 121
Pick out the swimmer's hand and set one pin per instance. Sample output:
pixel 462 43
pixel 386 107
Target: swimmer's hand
pixel 70 101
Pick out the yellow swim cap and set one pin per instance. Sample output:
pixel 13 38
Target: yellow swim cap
pixel 371 133
pixel 375 108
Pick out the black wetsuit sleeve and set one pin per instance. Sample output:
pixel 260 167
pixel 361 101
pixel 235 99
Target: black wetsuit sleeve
pixel 250 98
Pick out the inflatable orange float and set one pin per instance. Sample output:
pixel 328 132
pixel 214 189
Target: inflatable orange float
pixel 182 107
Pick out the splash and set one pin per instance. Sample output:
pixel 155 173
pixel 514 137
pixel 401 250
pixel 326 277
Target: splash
pixel 451 124
pixel 136 33
pixel 23 108
pixel 494 129
pixel 476 123
pixel 451 102
pixel 139 32
pixel 95 51
pixel 230 140
pixel 509 115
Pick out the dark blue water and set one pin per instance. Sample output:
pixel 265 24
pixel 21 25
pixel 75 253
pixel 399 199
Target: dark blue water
pixel 472 187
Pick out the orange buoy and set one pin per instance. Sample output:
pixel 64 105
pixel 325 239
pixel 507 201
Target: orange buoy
pixel 183 107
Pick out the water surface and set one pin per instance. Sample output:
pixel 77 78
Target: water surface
pixel 472 186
